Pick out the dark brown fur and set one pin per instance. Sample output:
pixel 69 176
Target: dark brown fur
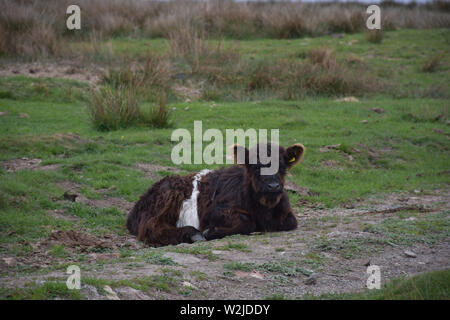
pixel 232 200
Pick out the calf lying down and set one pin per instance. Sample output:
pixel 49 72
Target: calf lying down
pixel 213 204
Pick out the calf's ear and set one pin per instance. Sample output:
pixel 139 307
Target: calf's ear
pixel 294 154
pixel 240 154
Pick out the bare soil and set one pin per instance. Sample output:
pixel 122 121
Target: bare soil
pixel 72 193
pixel 72 70
pixel 319 246
pixel 25 163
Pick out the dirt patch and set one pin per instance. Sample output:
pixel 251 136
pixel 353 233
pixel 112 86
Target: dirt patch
pixel 25 163
pixel 400 208
pixel 127 293
pixel 191 91
pixel 183 259
pixel 347 99
pixel 72 193
pixel 69 136
pixel 293 187
pixel 74 239
pixel 331 164
pixel 329 148
pixel 151 170
pixel 64 69
pixel 328 253
pixel 96 249
pixel 60 214
pixel 121 204
pixel 378 110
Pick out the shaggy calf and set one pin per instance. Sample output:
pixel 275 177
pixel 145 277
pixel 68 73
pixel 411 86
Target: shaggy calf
pixel 213 204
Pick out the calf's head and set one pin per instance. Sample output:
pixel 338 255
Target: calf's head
pixel 266 166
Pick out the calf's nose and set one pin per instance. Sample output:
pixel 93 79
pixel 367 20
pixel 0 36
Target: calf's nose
pixel 274 186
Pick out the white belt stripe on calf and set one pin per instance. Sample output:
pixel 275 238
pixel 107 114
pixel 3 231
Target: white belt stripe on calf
pixel 188 213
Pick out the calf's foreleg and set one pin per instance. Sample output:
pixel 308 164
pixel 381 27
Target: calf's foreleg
pixel 159 233
pixel 228 222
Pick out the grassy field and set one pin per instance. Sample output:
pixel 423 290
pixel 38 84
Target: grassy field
pixel 404 51
pixel 428 286
pixel 260 69
pixel 394 139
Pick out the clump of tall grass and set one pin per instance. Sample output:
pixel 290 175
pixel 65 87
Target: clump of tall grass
pixel 320 74
pixel 159 115
pixel 187 41
pixel 114 108
pixel 124 75
pixel 117 104
pixel 293 80
pixel 147 77
pixel 327 79
pixel 213 62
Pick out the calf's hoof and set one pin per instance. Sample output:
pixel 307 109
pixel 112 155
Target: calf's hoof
pixel 210 234
pixel 197 237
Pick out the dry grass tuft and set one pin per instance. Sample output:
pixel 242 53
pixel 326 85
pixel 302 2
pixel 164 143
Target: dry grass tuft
pixel 186 41
pixel 321 74
pixel 160 114
pixel 214 63
pixel 349 21
pixel 152 74
pixel 322 56
pixel 28 29
pixel 375 36
pixel 433 63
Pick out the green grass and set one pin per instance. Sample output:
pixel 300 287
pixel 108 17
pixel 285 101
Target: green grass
pixel 239 266
pixel 426 286
pixel 234 246
pixel 426 228
pixel 158 258
pixel 196 249
pixel 348 248
pixel 199 275
pixel 46 291
pixel 285 267
pixel 399 144
pixel 58 251
pixel 43 89
pixel 167 281
pixel 276 296
pixel 406 52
